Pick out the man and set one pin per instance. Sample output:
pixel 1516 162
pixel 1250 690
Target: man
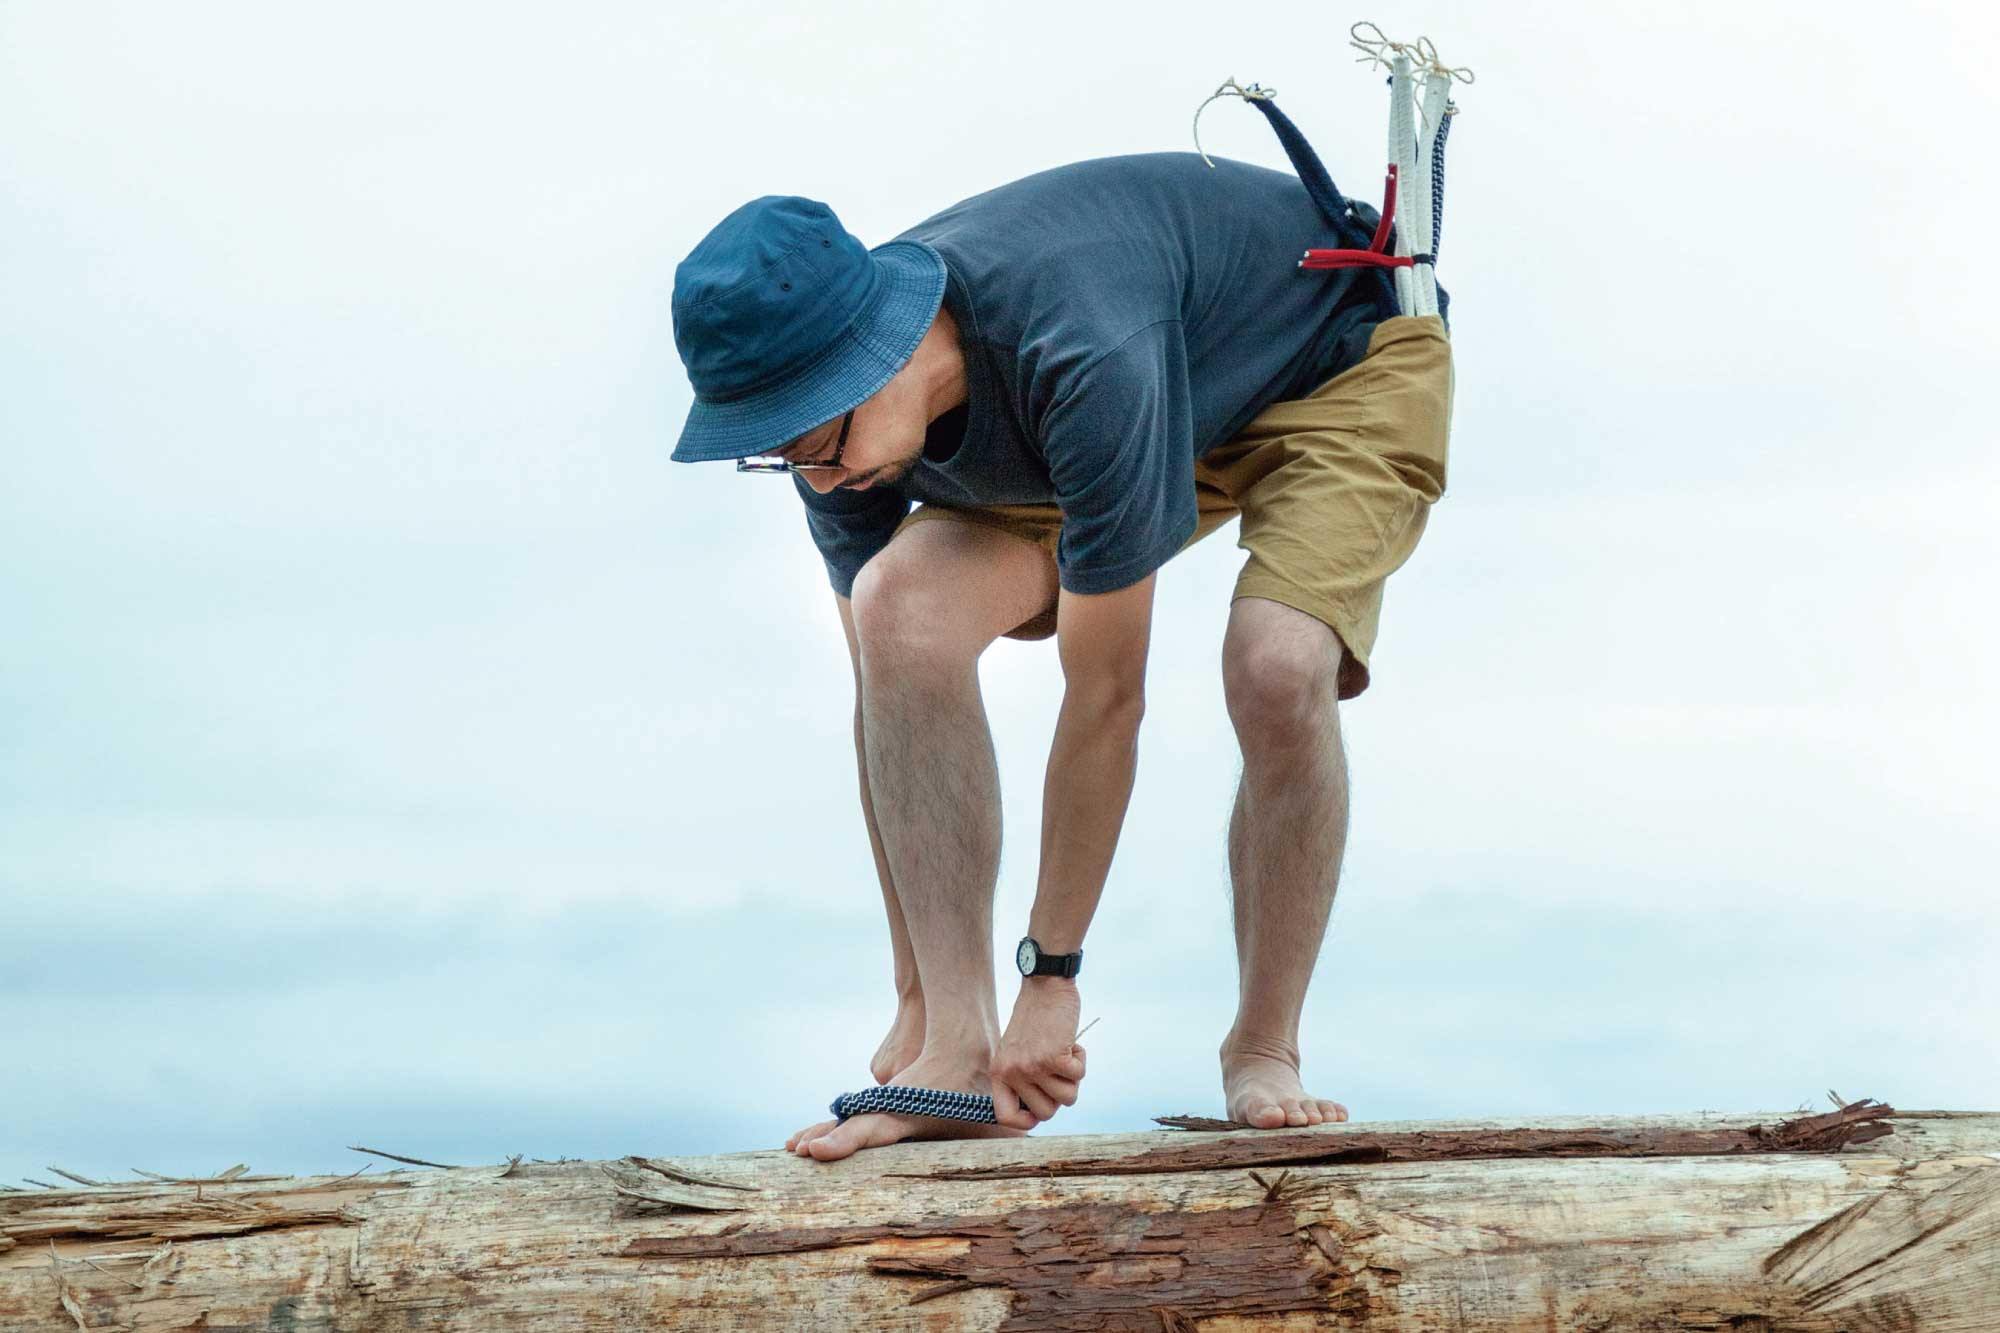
pixel 1077 375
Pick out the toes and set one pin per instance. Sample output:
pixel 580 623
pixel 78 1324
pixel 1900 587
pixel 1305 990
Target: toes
pixel 1294 1114
pixel 809 1132
pixel 841 1141
pixel 862 1131
pixel 1266 1115
pixel 1333 1111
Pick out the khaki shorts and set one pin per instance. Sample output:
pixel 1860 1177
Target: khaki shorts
pixel 1333 488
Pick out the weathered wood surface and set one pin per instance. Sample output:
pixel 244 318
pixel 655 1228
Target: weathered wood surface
pixel 1741 1222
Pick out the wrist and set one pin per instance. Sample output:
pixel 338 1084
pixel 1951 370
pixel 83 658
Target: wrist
pixel 1047 984
pixel 1034 959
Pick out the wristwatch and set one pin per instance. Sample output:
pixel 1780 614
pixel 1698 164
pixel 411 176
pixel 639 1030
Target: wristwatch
pixel 1028 956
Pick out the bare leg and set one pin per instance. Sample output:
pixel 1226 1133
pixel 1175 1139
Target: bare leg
pixel 905 1040
pixel 921 620
pixel 1287 833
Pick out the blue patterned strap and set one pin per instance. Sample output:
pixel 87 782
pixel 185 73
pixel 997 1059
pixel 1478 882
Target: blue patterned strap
pixel 897 1100
pixel 1437 177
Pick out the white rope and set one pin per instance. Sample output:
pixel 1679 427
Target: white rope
pixel 1403 153
pixel 1230 88
pixel 1415 71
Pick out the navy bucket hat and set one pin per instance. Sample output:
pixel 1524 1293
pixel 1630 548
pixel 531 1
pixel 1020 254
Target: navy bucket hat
pixel 786 321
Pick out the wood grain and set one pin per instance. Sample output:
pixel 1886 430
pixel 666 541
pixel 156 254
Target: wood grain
pixel 1866 1218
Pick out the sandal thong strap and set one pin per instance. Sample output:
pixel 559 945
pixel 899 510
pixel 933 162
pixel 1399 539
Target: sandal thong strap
pixel 971 1106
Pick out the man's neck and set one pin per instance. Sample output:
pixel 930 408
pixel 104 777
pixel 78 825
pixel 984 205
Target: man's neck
pixel 940 366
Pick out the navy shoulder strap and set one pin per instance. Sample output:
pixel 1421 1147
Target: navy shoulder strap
pixel 1312 174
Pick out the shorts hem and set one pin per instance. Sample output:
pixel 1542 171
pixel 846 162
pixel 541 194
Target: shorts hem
pixel 1012 527
pixel 1354 670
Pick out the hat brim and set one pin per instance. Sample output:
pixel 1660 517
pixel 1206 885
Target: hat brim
pixel 866 356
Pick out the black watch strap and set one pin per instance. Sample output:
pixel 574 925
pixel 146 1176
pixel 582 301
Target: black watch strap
pixel 1052 964
pixel 1059 964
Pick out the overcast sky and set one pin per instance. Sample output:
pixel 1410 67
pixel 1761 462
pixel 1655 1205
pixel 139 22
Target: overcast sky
pixel 395 749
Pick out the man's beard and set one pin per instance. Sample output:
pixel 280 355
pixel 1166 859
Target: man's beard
pixel 890 474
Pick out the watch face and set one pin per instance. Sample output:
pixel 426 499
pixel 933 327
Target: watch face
pixel 1024 957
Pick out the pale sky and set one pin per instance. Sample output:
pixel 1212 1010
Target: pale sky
pixel 396 749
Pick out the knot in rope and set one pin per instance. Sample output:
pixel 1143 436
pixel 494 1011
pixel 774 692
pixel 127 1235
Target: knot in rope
pixel 1256 92
pixel 1379 51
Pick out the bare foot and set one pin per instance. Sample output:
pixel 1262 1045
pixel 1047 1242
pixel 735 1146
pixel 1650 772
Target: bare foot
pixel 829 1141
pixel 904 1043
pixel 1260 1085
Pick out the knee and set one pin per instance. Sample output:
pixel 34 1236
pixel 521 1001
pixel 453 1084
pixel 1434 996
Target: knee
pixel 902 618
pixel 1282 693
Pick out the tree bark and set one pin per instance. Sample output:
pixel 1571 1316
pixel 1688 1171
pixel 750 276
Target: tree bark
pixel 1864 1218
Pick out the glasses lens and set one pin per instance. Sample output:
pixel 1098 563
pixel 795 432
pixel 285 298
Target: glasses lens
pixel 764 463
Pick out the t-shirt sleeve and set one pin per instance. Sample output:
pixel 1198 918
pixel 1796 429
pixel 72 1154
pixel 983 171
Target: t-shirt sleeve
pixel 1119 438
pixel 849 527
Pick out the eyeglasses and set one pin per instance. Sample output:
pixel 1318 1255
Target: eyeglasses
pixel 781 465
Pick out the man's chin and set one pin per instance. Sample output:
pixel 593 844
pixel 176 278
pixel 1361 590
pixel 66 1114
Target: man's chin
pixel 887 476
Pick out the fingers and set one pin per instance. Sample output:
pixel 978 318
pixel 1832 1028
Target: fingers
pixel 1024 1102
pixel 1071 1065
pixel 1027 1102
pixel 1037 1101
pixel 1007 1108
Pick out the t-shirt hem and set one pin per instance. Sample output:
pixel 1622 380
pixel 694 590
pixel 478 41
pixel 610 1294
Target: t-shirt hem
pixel 1125 573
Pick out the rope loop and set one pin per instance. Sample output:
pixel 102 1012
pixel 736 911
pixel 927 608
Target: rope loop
pixel 1256 92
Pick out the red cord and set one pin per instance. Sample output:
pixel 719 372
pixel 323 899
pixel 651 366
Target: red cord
pixel 1381 242
pixel 1354 259
pixel 1377 254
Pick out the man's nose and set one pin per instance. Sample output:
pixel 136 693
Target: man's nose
pixel 824 480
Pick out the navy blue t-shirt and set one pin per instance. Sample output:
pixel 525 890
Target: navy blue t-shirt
pixel 1120 317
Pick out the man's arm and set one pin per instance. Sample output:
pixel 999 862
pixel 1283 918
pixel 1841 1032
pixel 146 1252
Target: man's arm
pixel 1102 640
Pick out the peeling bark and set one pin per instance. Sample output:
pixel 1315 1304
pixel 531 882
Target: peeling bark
pixel 1099 1266
pixel 1859 1122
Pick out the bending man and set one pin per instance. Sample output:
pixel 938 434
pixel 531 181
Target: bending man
pixel 1073 377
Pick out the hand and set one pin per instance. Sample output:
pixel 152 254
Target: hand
pixel 1038 1063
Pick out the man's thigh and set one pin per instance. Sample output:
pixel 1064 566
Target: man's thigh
pixel 1040 526
pixel 986 574
pixel 1017 541
pixel 1336 487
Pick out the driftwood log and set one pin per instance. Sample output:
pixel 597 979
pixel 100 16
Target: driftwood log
pixel 1862 1218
